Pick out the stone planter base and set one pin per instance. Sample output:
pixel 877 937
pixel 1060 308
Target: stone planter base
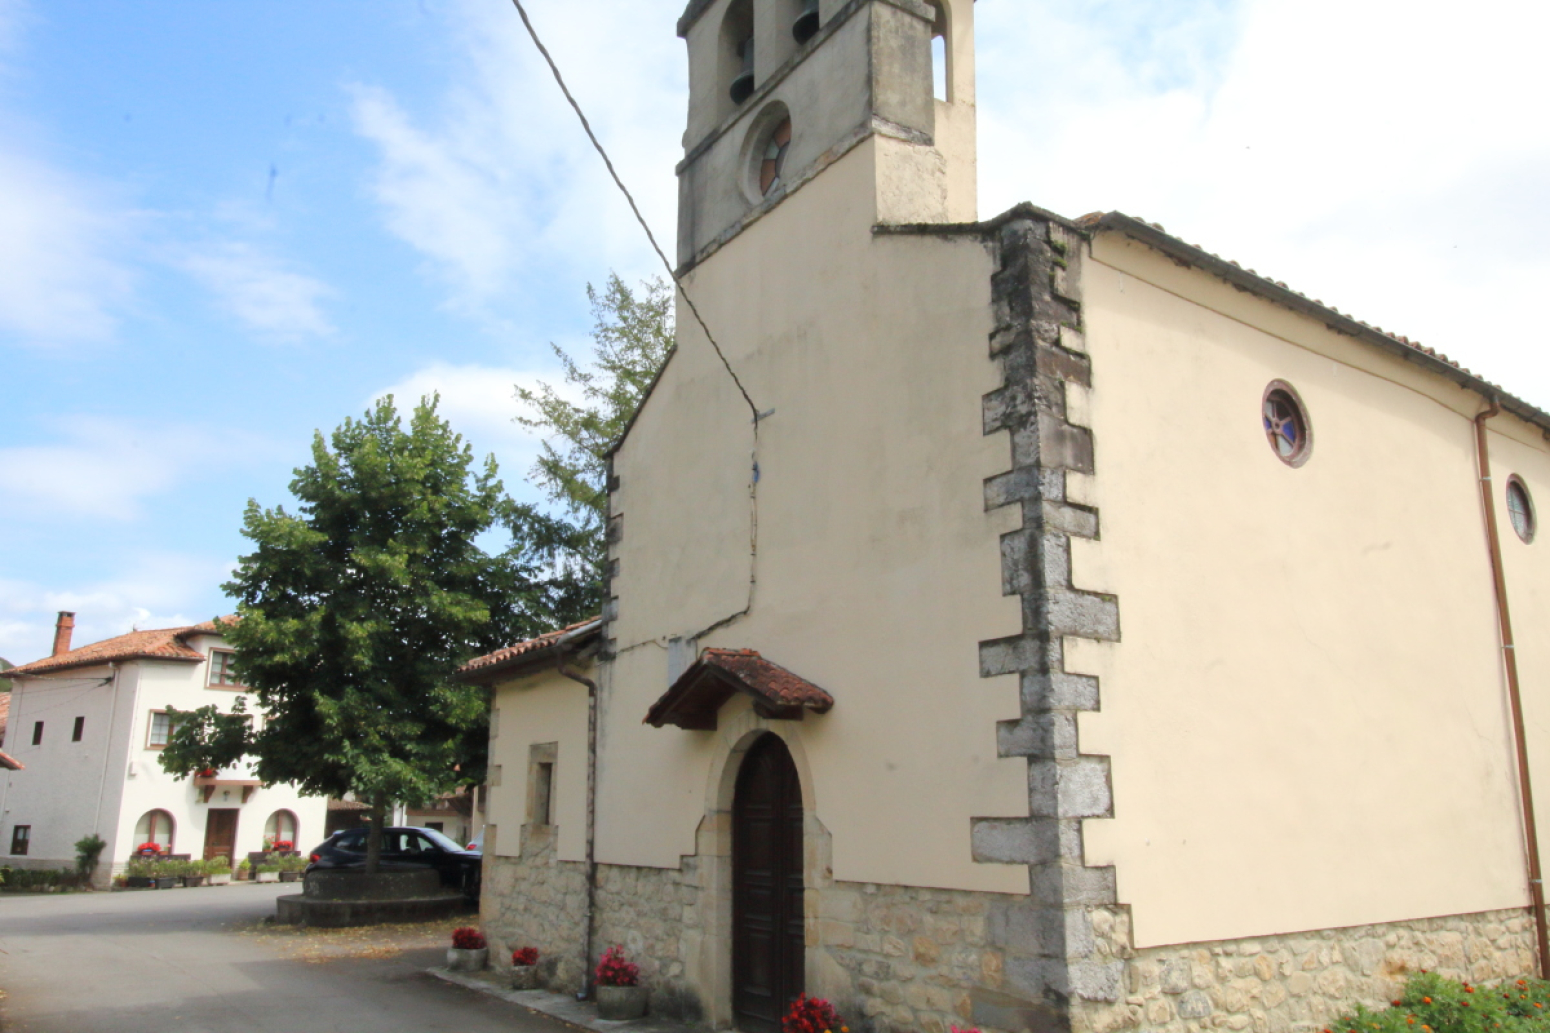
pixel 524 977
pixel 619 1003
pixel 467 960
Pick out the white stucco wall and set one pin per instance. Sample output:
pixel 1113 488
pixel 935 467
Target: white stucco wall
pixel 878 569
pixel 542 708
pixel 1305 713
pixel 109 780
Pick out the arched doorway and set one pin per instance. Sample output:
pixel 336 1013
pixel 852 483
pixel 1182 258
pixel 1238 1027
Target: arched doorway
pixel 768 940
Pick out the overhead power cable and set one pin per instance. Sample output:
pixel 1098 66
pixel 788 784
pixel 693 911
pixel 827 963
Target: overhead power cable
pixel 671 272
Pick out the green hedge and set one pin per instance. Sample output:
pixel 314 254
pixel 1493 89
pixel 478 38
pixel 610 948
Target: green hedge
pixel 39 878
pixel 1432 1004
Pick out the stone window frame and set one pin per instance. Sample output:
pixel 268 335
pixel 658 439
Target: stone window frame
pixel 1517 489
pixel 1304 447
pixel 542 765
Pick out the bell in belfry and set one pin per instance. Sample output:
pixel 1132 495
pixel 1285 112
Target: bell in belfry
pixel 806 25
pixel 742 85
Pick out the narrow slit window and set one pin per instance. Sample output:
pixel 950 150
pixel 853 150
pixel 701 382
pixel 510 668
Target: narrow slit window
pixel 78 730
pixel 939 67
pixel 543 794
pixel 37 733
pixel 1520 509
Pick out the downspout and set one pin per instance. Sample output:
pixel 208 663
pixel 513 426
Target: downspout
pixel 587 924
pixel 107 749
pixel 1536 887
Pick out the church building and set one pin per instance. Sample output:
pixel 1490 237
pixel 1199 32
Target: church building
pixel 1026 624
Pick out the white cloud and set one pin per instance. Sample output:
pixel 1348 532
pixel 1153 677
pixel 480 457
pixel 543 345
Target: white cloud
pixel 479 402
pixel 502 181
pixel 58 281
pixel 270 299
pixel 152 590
pixel 1388 161
pixel 103 469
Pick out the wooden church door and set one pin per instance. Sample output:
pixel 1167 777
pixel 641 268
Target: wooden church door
pixel 768 941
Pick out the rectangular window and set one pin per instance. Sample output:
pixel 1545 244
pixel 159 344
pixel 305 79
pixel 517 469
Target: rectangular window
pixel 161 730
pixel 80 729
pixel 223 669
pixel 21 837
pixel 541 759
pixel 37 733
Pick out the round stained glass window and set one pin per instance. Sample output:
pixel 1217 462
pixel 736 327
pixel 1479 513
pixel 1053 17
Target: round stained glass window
pixel 1520 509
pixel 1286 424
pixel 773 160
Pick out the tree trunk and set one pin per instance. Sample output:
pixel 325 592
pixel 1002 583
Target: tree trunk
pixel 374 837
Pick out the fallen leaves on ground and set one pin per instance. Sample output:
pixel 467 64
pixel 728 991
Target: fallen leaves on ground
pixel 319 946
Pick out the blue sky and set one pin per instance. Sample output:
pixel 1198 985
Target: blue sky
pixel 223 226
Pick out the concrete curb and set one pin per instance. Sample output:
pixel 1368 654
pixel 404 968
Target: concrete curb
pixel 579 1015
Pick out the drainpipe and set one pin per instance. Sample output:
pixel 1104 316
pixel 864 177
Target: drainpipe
pixel 1536 887
pixel 591 686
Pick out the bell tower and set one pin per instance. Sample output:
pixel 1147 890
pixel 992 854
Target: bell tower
pixel 779 90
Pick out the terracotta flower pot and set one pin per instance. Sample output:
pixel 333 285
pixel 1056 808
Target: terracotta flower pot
pixel 524 977
pixel 618 1003
pixel 467 960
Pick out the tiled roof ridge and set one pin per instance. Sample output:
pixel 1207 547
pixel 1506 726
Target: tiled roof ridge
pixel 1118 220
pixel 150 644
pixel 532 645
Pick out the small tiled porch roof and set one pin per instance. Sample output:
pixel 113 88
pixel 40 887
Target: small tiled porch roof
pixel 699 692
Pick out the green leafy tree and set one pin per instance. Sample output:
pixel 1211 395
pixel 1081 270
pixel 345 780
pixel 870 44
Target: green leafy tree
pixel 354 613
pixel 632 336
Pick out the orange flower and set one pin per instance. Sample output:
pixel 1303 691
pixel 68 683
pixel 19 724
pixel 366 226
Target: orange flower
pixel 1426 1000
pixel 1411 1020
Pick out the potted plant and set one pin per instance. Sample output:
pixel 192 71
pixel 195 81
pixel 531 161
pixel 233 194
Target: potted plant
pixel 192 872
pixel 244 869
pixel 218 870
pixel 267 871
pixel 524 968
pixel 291 867
pixel 619 993
pixel 140 873
pixel 468 952
pixel 816 1015
pixel 166 874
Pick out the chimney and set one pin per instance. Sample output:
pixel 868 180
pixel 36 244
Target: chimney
pixel 62 629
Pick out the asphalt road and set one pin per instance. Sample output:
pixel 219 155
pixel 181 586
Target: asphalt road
pixel 199 961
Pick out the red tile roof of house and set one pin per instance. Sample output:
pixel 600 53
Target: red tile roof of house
pixel 531 649
pixel 5 710
pixel 711 680
pixel 10 762
pixel 165 644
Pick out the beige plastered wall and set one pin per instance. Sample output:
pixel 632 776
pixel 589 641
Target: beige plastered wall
pixel 1306 712
pixel 540 708
pixel 877 570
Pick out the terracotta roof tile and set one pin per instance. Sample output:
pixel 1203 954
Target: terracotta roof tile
pixel 5 710
pixel 710 681
pixel 164 644
pixel 505 655
pixel 10 762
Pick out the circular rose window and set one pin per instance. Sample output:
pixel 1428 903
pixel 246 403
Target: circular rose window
pixel 772 162
pixel 1286 424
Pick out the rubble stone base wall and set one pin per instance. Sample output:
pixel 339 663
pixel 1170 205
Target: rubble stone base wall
pixel 1297 982
pixel 536 900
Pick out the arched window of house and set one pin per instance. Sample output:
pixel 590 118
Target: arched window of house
pixel 155 827
pixel 737 51
pixel 279 829
pixel 941 53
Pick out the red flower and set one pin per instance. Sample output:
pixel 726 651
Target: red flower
pixel 468 939
pixel 525 956
pixel 613 970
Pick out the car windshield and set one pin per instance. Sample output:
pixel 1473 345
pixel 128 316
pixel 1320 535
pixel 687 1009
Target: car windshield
pixel 440 840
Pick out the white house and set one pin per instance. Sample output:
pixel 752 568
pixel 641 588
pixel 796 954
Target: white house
pixel 87 726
